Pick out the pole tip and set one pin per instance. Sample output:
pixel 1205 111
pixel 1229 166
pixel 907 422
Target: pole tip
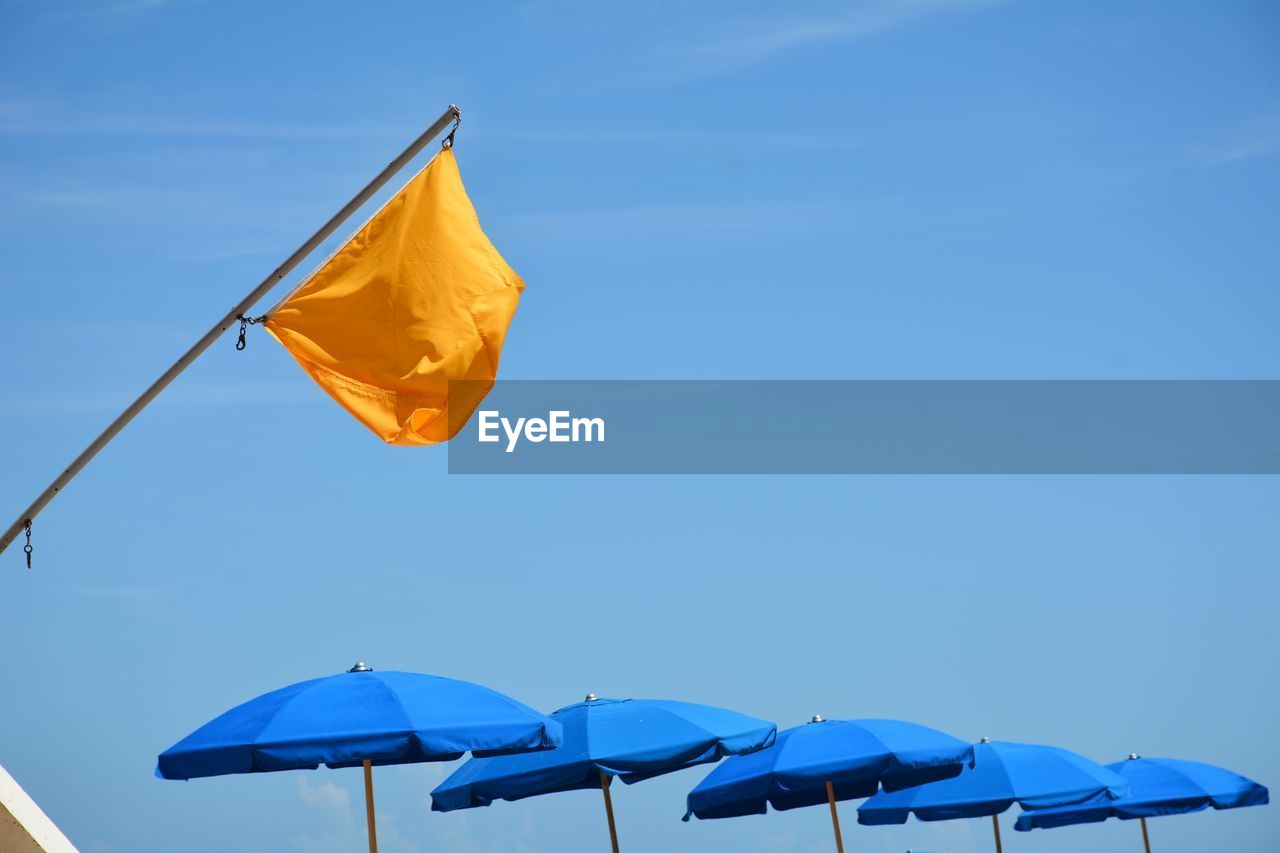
pixel 817 718
pixel 591 697
pixel 1133 756
pixel 985 740
pixel 361 666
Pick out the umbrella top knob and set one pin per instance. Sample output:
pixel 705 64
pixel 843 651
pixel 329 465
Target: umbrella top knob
pixel 361 666
pixel 817 718
pixel 985 740
pixel 591 697
pixel 1133 756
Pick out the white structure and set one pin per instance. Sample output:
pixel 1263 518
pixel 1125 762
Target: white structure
pixel 23 827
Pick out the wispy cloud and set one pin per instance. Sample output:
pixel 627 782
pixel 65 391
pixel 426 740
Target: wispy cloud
pixel 1260 138
pixel 1232 143
pixel 147 601
pixel 650 221
pixel 123 124
pixel 30 116
pixel 80 199
pixel 1246 150
pixel 764 40
pixel 328 797
pixel 132 7
pixel 649 229
pixel 747 138
pixel 340 831
pixel 780 841
pixel 62 402
pixel 124 593
pixel 457 837
pixel 746 40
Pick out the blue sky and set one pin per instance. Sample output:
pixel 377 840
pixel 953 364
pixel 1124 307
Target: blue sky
pixel 881 190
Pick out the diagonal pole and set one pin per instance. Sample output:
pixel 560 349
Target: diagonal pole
pixel 835 817
pixel 605 779
pixel 995 823
pixel 335 221
pixel 1146 842
pixel 368 806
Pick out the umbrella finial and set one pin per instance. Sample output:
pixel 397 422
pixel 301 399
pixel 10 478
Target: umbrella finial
pixel 1133 756
pixel 985 740
pixel 361 666
pixel 591 697
pixel 817 718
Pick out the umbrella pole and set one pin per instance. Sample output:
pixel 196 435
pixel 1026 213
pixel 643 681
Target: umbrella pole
pixel 995 823
pixel 835 817
pixel 368 805
pixel 608 809
pixel 1146 842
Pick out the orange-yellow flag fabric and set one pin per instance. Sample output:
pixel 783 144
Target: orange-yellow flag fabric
pixel 416 298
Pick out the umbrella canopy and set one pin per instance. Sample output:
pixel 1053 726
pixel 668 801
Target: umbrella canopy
pixel 1003 774
pixel 361 715
pixel 856 756
pixel 633 739
pixel 1157 786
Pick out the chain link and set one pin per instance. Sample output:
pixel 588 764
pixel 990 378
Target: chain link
pixel 27 549
pixel 448 140
pixel 246 322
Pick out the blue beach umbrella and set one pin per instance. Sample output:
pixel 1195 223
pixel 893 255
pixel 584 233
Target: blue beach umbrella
pixel 359 717
pixel 633 739
pixel 826 761
pixel 1157 787
pixel 1003 774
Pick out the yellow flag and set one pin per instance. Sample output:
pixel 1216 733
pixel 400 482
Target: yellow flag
pixel 416 298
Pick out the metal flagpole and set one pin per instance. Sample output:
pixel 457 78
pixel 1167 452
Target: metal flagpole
pixel 335 221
